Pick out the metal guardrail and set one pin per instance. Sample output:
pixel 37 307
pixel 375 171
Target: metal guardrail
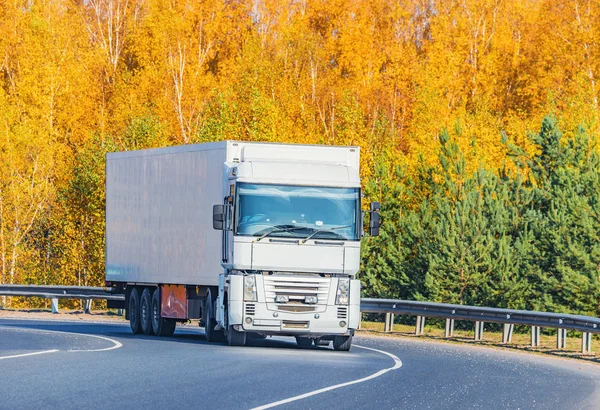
pixel 390 307
pixel 58 292
pixel 87 293
pixel 480 315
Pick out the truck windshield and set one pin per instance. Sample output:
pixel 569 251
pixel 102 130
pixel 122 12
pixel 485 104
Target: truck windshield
pixel 297 212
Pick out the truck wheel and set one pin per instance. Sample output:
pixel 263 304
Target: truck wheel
pixel 209 322
pixel 342 343
pixel 146 312
pixel 161 326
pixel 134 311
pixel 304 342
pixel 235 338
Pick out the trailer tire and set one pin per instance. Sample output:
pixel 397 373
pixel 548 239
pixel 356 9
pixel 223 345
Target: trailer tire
pixel 133 309
pixel 161 326
pixel 304 342
pixel 342 343
pixel 146 312
pixel 235 338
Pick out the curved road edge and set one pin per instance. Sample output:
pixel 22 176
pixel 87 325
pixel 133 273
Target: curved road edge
pixel 397 365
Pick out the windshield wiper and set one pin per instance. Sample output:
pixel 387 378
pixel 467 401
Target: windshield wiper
pixel 281 228
pixel 324 230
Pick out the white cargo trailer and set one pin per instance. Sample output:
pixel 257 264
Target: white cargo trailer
pixel 250 238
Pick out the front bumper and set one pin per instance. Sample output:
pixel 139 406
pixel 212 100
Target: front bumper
pixel 332 321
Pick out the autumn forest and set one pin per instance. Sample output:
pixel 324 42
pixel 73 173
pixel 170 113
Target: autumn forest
pixel 478 122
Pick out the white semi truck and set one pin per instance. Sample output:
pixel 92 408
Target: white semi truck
pixel 250 238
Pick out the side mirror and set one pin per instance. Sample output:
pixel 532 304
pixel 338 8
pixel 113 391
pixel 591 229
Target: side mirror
pixel 218 217
pixel 375 221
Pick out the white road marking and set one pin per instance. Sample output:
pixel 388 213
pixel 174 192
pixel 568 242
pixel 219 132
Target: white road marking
pixel 28 354
pixel 397 365
pixel 116 344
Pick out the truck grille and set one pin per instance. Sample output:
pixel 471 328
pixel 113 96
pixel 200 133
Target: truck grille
pixel 342 312
pixel 250 309
pixel 296 288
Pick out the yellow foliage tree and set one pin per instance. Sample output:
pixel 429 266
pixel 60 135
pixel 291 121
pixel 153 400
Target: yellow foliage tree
pixel 384 75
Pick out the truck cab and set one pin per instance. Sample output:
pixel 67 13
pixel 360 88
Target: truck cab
pixel 291 234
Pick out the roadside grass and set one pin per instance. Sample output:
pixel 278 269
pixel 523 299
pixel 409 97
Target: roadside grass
pixel 521 339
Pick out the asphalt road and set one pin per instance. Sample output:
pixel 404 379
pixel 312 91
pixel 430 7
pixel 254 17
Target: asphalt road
pixel 98 365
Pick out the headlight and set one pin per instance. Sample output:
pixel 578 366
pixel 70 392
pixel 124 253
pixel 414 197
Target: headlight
pixel 342 292
pixel 250 288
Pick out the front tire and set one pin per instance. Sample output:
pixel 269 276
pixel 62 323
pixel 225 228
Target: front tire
pixel 134 311
pixel 235 338
pixel 209 321
pixel 146 312
pixel 342 343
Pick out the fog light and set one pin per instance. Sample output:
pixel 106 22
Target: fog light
pixel 275 314
pixel 248 320
pixel 342 323
pixel 311 300
pixel 282 299
pixel 317 316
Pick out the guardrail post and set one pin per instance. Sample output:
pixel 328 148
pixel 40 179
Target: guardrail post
pixel 449 328
pixel 535 336
pixel 479 331
pixel 389 322
pixel 54 305
pixel 561 338
pixel 586 342
pixel 420 327
pixel 88 306
pixel 507 332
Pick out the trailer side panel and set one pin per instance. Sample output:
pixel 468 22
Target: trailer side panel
pixel 159 215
